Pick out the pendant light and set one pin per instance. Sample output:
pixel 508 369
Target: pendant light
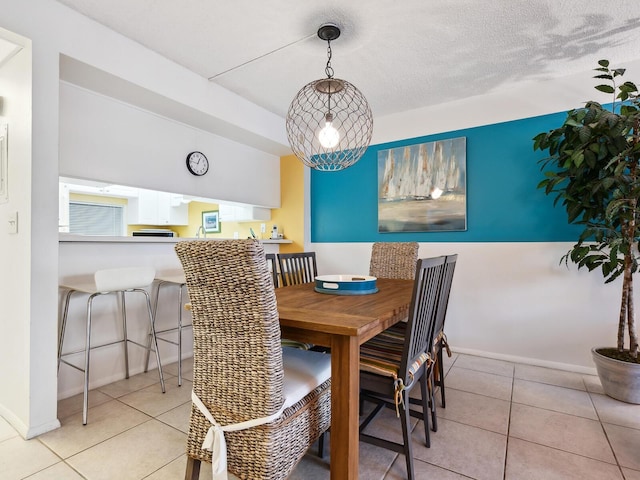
pixel 329 122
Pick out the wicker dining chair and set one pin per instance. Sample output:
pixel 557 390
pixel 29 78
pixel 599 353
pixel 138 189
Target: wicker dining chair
pixel 241 372
pixel 393 362
pixel 394 260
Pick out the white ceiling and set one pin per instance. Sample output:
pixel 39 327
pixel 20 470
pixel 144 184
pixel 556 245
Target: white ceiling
pixel 402 55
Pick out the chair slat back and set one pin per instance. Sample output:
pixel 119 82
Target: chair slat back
pixel 297 268
pixel 238 372
pixel 272 262
pixel 444 291
pixel 420 324
pixel 394 260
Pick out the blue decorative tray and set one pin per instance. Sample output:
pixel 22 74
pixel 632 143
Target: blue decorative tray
pixel 346 284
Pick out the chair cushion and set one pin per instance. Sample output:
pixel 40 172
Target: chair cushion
pixel 383 353
pixel 304 371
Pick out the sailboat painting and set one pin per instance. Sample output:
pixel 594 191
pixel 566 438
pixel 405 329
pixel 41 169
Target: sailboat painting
pixel 423 187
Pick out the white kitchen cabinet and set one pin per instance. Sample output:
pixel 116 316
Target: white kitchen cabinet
pixel 240 213
pixel 157 208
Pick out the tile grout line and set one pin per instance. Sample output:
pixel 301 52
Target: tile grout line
pixel 613 452
pixel 506 447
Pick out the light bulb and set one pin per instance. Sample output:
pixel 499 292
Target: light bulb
pixel 329 136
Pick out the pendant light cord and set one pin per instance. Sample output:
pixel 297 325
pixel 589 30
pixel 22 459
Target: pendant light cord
pixel 261 56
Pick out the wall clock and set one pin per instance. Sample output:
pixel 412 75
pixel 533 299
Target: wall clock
pixel 197 163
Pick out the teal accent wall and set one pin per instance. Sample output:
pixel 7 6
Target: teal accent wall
pixel 503 201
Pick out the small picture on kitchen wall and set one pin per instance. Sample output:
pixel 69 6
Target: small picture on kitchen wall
pixel 423 187
pixel 211 221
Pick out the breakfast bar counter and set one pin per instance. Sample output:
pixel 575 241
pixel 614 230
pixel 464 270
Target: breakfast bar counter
pixel 79 257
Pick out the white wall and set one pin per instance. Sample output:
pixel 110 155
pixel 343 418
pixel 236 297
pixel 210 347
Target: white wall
pixel 511 301
pixel 108 140
pixel 19 369
pixel 32 292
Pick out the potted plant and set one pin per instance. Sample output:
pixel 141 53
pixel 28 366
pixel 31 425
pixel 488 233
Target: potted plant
pixel 592 168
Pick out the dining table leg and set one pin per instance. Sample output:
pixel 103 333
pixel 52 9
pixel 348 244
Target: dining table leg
pixel 345 391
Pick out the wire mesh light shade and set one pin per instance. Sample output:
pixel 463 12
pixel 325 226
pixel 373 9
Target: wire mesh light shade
pixel 349 113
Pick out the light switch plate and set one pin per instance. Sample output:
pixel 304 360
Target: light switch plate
pixel 13 222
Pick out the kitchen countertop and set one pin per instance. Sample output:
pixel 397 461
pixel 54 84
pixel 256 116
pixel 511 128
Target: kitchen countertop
pixel 68 237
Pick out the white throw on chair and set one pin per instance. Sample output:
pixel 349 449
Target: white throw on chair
pixel 114 280
pixel 170 279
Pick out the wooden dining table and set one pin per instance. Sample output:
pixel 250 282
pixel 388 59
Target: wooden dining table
pixel 343 323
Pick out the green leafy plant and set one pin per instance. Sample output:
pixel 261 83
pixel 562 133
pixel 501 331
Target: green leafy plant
pixel 592 168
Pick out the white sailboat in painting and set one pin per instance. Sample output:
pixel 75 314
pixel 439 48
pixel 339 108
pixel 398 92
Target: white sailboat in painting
pixel 453 176
pixel 423 174
pixel 440 170
pixel 388 188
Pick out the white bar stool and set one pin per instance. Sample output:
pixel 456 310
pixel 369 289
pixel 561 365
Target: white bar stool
pixel 171 279
pixel 114 280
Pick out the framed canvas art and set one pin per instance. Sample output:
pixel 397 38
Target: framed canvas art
pixel 423 187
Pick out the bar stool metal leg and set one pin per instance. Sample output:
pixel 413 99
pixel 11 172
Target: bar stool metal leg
pixel 155 339
pixel 178 329
pixel 63 326
pixel 149 337
pixel 87 352
pixel 88 347
pixel 124 329
pixel 119 281
pixel 180 304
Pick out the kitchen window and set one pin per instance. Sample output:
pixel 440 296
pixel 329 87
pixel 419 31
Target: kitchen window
pixel 96 219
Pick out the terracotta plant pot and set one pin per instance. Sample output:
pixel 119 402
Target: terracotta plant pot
pixel 620 380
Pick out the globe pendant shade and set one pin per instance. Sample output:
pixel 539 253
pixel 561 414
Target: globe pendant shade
pixel 329 124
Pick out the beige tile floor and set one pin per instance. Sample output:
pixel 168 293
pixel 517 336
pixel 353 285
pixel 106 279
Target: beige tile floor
pixel 502 421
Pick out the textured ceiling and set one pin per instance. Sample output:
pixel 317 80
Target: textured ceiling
pixel 402 55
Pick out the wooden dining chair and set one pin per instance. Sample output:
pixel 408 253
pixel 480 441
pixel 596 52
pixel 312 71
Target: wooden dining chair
pixel 440 339
pixel 273 266
pixel 395 361
pixel 297 268
pixel 272 262
pixel 394 260
pixel 266 404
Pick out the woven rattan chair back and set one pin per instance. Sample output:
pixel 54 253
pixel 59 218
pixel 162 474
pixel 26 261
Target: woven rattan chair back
pixel 394 260
pixel 297 268
pixel 238 366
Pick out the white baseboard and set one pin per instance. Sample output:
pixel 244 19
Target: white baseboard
pixel 101 382
pixel 25 431
pixel 528 361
